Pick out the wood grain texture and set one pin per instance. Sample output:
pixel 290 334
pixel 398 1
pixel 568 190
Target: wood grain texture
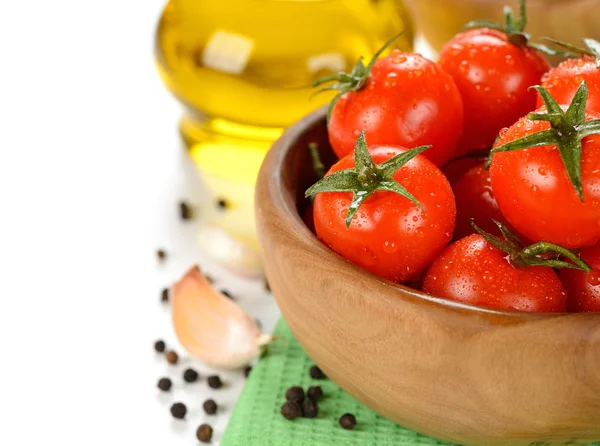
pixel 464 374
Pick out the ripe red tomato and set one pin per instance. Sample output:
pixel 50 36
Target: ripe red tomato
pixel 407 101
pixel 390 236
pixel 474 272
pixel 583 288
pixel 534 192
pixel 456 168
pixel 493 77
pixel 563 81
pixel 475 200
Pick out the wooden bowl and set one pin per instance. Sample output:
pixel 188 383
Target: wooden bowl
pixel 456 372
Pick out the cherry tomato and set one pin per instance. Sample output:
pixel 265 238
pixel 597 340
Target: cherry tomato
pixel 475 199
pixel 456 168
pixel 563 81
pixel 534 192
pixel 389 235
pixel 493 77
pixel 583 288
pixel 474 272
pixel 407 101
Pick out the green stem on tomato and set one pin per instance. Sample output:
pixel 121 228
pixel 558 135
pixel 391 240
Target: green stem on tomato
pixel 566 131
pixel 532 255
pixel 353 81
pixel 593 48
pixel 515 30
pixel 366 177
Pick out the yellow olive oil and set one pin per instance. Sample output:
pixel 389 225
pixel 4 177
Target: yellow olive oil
pixel 243 71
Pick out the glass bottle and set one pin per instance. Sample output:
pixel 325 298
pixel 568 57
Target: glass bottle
pixel 243 70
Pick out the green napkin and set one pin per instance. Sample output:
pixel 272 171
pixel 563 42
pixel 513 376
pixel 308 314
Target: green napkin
pixel 256 420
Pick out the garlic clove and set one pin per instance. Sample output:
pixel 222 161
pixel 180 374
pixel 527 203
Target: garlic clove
pixel 212 327
pixel 229 251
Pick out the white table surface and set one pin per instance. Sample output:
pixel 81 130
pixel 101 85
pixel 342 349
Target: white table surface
pixel 90 173
pixel 91 170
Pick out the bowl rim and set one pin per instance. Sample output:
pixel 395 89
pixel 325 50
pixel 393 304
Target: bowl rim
pixel 285 204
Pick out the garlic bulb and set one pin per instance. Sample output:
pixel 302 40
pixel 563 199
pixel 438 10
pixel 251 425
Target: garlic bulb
pixel 212 327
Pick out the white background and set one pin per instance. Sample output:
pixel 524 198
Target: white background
pixel 90 171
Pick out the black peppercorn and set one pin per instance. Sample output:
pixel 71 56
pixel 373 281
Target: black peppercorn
pixel 214 382
pixel 185 211
pixel 310 409
pixel 316 373
pixel 190 376
pixel 315 393
pixel 295 394
pixel 164 295
pixel 348 421
pixel 172 357
pixel 178 410
pixel 161 254
pixel 227 294
pixel 290 410
pixel 164 384
pixel 160 346
pixel 204 433
pixel 247 371
pixel 210 407
pixel 222 203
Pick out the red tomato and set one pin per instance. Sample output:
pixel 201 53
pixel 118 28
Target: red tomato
pixel 456 168
pixel 474 272
pixel 475 199
pixel 583 288
pixel 535 195
pixel 563 81
pixel 390 236
pixel 407 101
pixel 493 77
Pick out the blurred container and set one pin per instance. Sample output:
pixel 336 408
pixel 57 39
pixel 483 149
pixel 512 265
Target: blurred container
pixel 566 20
pixel 243 71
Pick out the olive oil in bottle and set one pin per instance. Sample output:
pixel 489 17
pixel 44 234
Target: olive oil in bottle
pixel 243 71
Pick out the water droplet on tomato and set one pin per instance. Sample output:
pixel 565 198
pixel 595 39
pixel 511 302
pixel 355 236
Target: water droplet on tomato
pixel 419 232
pixel 594 277
pixel 475 288
pixel 542 171
pixel 415 218
pixel 390 247
pixel 488 278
